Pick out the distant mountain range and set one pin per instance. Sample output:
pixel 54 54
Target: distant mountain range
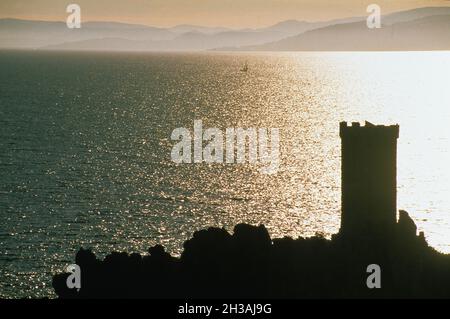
pixel 419 29
pixel 424 33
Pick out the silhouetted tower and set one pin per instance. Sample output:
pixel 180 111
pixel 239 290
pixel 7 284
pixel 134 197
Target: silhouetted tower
pixel 369 179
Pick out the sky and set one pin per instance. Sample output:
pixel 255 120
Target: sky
pixel 228 13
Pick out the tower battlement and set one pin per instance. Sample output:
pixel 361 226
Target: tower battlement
pixel 368 129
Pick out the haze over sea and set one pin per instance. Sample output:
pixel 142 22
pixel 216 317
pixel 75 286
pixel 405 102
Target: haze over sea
pixel 85 148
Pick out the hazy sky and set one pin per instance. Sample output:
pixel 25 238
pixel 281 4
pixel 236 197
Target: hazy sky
pixel 231 13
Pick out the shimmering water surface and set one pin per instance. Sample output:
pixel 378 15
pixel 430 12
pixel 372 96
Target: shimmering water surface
pixel 85 148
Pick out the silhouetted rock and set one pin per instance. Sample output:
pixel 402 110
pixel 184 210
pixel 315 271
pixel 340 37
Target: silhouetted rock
pixel 249 264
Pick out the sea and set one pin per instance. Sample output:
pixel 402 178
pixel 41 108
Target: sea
pixel 85 148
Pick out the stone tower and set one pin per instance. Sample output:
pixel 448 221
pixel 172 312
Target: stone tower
pixel 369 179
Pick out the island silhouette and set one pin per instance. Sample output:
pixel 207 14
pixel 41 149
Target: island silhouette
pixel 250 264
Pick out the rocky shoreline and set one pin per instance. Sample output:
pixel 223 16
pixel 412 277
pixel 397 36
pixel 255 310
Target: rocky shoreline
pixel 249 264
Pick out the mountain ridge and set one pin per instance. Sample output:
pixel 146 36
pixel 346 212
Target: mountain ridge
pixel 118 36
pixel 427 33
